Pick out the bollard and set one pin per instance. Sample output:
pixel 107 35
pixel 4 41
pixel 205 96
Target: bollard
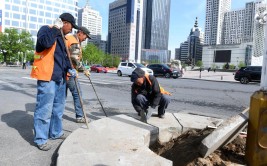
pixel 256 144
pixel 221 77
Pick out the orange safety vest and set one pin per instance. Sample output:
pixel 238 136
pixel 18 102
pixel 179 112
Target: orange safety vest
pixel 71 40
pixel 162 90
pixel 43 64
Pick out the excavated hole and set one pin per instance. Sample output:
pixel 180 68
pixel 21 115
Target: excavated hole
pixel 183 151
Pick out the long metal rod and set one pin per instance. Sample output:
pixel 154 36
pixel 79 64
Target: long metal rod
pixel 97 96
pixel 75 79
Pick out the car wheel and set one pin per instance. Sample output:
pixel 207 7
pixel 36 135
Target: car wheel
pixel 119 73
pixel 97 71
pixel 167 75
pixel 174 77
pixel 244 80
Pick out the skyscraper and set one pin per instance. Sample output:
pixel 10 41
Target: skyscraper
pixel 195 44
pixel 92 20
pixel 215 10
pixel 31 15
pixel 124 29
pixel 156 20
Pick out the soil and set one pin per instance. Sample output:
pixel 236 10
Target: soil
pixel 183 151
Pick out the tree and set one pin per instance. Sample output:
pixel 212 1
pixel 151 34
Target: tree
pixel 12 43
pixel 241 64
pixel 199 64
pixel 93 54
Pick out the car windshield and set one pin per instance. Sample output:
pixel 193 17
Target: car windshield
pixel 139 65
pixel 165 66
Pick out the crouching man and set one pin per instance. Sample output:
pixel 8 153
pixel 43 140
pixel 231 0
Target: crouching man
pixel 147 92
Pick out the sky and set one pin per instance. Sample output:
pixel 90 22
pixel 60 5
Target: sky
pixel 182 17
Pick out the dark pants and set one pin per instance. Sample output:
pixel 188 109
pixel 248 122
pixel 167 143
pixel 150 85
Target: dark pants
pixel 141 103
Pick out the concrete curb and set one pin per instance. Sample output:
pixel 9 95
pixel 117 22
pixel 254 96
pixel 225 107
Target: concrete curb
pixel 123 140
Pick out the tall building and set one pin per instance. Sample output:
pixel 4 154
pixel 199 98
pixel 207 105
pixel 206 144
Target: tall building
pixel 215 10
pixel 184 52
pixel 155 34
pixel 156 20
pixel 239 24
pixel 195 44
pixel 31 15
pixel 124 29
pixel 177 53
pixel 92 20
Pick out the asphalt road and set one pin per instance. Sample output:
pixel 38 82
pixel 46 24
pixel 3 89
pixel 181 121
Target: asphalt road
pixel 18 96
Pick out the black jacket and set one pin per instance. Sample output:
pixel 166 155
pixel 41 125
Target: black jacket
pixel 151 92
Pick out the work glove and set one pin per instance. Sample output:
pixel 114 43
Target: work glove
pixel 87 73
pixel 58 23
pixel 72 73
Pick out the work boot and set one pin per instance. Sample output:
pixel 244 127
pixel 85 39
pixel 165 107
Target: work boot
pixel 44 147
pixel 161 116
pixel 80 120
pixel 143 116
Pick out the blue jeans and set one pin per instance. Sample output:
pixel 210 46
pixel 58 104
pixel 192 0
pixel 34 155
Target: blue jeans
pixel 49 110
pixel 141 103
pixel 73 89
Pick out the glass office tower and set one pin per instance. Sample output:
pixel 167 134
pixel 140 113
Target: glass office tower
pixel 30 15
pixel 156 20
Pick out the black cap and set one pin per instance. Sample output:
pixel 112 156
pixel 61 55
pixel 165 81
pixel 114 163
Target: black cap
pixel 69 18
pixel 86 31
pixel 137 73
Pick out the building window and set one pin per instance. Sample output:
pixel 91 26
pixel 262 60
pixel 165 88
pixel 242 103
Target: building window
pixel 16 16
pixel 15 8
pixel 7 22
pixel 7 7
pixel 15 23
pixel 32 11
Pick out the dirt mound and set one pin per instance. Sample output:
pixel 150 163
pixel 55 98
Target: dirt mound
pixel 183 151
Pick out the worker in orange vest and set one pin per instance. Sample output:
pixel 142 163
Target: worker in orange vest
pixel 50 68
pixel 74 46
pixel 146 92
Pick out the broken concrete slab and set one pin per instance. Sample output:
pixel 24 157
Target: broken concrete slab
pixel 109 141
pixel 188 121
pixel 225 132
pixel 169 127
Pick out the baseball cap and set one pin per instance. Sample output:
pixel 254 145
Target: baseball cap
pixel 137 73
pixel 86 31
pixel 69 18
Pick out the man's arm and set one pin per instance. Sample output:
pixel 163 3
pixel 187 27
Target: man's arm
pixel 46 37
pixel 155 92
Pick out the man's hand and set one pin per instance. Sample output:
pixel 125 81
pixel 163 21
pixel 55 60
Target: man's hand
pixel 87 73
pixel 72 73
pixel 58 23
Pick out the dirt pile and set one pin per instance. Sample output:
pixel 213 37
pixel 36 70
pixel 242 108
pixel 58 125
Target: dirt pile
pixel 183 151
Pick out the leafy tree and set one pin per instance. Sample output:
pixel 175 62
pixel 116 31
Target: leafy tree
pixel 199 64
pixel 241 64
pixel 12 43
pixel 93 54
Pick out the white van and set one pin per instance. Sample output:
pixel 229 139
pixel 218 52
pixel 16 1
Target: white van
pixel 126 68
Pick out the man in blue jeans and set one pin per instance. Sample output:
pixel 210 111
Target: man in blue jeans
pixel 74 46
pixel 50 68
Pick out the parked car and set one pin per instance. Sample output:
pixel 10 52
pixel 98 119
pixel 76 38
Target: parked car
pixel 98 69
pixel 248 74
pixel 164 70
pixel 126 68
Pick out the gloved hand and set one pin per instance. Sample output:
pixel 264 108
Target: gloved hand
pixel 58 23
pixel 72 73
pixel 87 73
